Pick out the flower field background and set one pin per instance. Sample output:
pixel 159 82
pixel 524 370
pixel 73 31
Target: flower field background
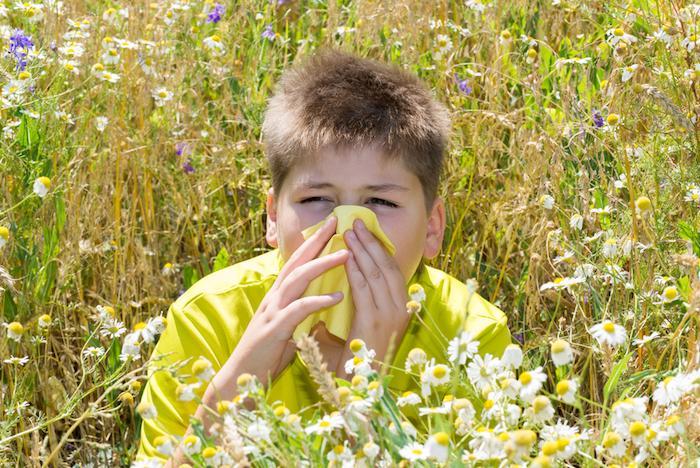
pixel 131 166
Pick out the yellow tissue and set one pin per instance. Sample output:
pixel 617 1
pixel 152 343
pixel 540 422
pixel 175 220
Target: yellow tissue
pixel 338 318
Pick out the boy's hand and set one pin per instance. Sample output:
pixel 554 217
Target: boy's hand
pixel 266 344
pixel 378 291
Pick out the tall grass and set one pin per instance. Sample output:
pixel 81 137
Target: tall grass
pixel 542 107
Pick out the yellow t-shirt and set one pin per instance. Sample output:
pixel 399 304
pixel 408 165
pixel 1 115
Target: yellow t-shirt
pixel 211 316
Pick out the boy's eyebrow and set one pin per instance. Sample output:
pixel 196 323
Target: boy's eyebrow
pixel 373 188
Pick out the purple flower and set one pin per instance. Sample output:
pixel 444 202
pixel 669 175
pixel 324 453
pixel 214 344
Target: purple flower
pixel 268 33
pixel 19 45
pixel 598 119
pixel 279 2
pixel 187 166
pixel 519 338
pixel 182 148
pixel 463 85
pixel 216 13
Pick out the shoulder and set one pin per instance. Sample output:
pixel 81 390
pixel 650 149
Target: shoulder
pixel 255 271
pixel 456 307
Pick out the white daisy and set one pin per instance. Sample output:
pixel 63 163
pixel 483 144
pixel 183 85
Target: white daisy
pixel 161 95
pixel 413 451
pixel 408 398
pixel 437 446
pixel 541 410
pixel 531 382
pixel 461 348
pixel 609 333
pixel 566 390
pixel 561 353
pixel 42 186
pixel 512 356
pixel 326 424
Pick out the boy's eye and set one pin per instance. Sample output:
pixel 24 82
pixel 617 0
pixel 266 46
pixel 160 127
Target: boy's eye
pixel 381 201
pixel 314 199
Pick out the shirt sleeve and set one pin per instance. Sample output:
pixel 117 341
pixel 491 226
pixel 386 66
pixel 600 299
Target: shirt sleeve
pixel 488 324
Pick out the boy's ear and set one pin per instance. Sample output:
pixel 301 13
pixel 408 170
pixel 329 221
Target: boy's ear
pixel 436 229
pixel 271 227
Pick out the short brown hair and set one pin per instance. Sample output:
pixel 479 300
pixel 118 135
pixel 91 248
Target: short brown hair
pixel 337 99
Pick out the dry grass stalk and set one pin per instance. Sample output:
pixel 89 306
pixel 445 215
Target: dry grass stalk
pixel 319 370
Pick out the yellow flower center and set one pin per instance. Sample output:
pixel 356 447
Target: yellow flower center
pixel 488 404
pixel 140 326
pixel 609 327
pixel 550 448
pixel 439 372
pixel 638 428
pixel 442 438
pixel 559 346
pixel 643 203
pixel 525 378
pixel 540 403
pixel 563 387
pixel 562 443
pixel 356 345
pixel 670 293
pixel 611 439
pixel 244 379
pixel 16 328
pixel 209 452
pixel 191 440
pixel 619 32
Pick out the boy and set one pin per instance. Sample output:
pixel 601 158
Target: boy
pixel 339 131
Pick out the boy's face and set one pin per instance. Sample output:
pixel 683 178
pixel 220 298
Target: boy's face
pixel 313 189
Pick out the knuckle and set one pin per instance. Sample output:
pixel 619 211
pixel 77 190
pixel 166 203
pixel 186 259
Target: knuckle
pixel 375 274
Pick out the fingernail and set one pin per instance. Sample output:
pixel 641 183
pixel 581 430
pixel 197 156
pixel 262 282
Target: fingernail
pixel 337 295
pixel 329 220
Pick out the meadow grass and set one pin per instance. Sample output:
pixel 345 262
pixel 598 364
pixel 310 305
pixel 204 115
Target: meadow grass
pixel 132 165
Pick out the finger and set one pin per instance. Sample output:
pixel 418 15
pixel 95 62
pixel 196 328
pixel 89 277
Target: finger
pixel 359 287
pixel 372 273
pixel 308 250
pixel 298 280
pixel 386 263
pixel 298 310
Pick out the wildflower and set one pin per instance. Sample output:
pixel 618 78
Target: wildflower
pixel 15 331
pixel 408 398
pixel 512 356
pixel 147 410
pixel 628 72
pixel 576 222
pixel 562 283
pixel 148 331
pixel 645 339
pixel 598 121
pixel 341 455
pixel 44 321
pixel 416 292
pixel 101 123
pixel 671 389
pixel 413 451
pixel 531 382
pixel 416 357
pixel 247 383
pixel 110 77
pixel 358 365
pixel 111 56
pixel 185 392
pixel 482 371
pixel 214 45
pixel 643 203
pixel 608 333
pixel 609 249
pixel 93 352
pixel 531 55
pixel 130 348
pixel 359 348
pixel 168 269
pixel 370 449
pixel 104 313
pixel 561 353
pixel 413 307
pixel 690 42
pixel 19 48
pixel 674 425
pixel 566 391
pixel 541 410
pixel 612 119
pixel 433 375
pixel 113 328
pixel 444 45
pixel 669 294
pixel 33 12
pixel 203 369
pixel 4 235
pixel 215 14
pixel 617 35
pixel 693 195
pixel 126 398
pixel 326 425
pixel 164 445
pixel 191 445
pixel 17 361
pixel 259 429
pixel 42 186
pixel 547 202
pixel 161 95
pixel 519 443
pixel 613 444
pixel 268 33
pixel 463 85
pixel 437 446
pixel 461 348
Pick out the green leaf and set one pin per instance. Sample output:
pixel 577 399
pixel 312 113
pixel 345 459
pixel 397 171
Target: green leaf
pixel 221 260
pixel 189 276
pixel 614 378
pixel 688 232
